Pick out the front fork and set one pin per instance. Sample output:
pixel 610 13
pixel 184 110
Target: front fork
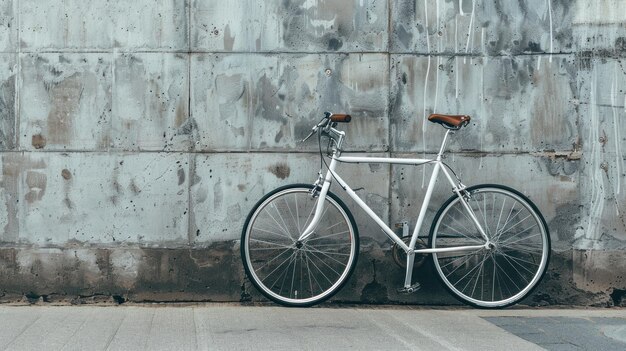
pixel 320 189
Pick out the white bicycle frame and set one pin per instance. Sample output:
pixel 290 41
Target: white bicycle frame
pixel 409 249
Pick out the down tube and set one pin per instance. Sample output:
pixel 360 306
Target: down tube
pixel 371 213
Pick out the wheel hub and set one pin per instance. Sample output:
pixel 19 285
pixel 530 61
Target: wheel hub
pixel 299 244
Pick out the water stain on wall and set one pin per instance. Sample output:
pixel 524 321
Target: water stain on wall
pixel 65 98
pixel 280 170
pixel 36 182
pixel 13 168
pixel 7 114
pixel 38 141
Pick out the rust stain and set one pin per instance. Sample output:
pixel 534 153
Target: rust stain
pixel 66 174
pixel 38 141
pixel 280 170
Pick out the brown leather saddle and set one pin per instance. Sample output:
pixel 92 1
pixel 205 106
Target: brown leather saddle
pixel 450 121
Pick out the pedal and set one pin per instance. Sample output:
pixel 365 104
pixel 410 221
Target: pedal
pixel 411 289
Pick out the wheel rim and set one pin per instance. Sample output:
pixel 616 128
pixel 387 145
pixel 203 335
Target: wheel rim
pixel 507 271
pixel 296 272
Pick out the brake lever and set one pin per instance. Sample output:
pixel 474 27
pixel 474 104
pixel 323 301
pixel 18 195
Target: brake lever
pixel 314 130
pixel 310 135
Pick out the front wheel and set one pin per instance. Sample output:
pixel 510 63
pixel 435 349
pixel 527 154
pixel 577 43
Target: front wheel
pixel 293 272
pixel 511 267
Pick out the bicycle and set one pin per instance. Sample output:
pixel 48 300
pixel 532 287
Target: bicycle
pixel 489 244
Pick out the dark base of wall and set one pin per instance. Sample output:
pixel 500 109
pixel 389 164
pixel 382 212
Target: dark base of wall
pixel 215 274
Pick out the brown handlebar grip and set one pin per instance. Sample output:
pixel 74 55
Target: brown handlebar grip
pixel 340 117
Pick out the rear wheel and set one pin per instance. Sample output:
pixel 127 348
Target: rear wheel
pixel 292 272
pixel 511 267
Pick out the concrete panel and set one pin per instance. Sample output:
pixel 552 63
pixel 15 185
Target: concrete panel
pixel 302 26
pixel 150 25
pixel 225 188
pixel 603 129
pixel 93 198
pixel 72 25
pixel 262 102
pixel 599 28
pixel 8 72
pixel 8 25
pixel 150 102
pixel 68 101
pixel 521 103
pixel 481 27
pixel 551 183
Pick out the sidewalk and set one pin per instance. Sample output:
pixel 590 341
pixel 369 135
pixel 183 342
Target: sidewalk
pixel 235 327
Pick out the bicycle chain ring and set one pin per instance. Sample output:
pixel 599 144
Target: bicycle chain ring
pixel 399 256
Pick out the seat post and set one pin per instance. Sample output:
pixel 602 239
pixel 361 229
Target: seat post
pixel 443 144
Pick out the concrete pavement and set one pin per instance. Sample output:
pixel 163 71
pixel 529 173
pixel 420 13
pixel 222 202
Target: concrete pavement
pixel 235 327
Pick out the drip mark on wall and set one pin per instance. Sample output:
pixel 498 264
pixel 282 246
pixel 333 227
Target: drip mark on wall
pixel 426 26
pixel 424 121
pixel 470 31
pixel 618 156
pixel 551 31
pixel 595 174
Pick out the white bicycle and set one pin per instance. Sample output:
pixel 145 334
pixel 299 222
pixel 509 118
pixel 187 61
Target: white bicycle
pixel 489 244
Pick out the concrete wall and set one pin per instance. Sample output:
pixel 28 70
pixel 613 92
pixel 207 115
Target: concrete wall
pixel 136 136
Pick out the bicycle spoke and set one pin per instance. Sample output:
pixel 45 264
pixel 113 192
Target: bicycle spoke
pixel 334 225
pixel 319 270
pixel 282 220
pixel 462 211
pixel 482 264
pixel 517 260
pixel 278 225
pixel 460 233
pixel 280 265
pixel 273 259
pixel 324 262
pixel 311 274
pixel 270 243
pixel 326 254
pixel 290 212
pixel 515 225
pixel 286 271
pixel 295 196
pixel 293 275
pixel 500 217
pixel 463 277
pixel 518 240
pixel 273 232
pixel 484 215
pixel 506 275
pixel 327 236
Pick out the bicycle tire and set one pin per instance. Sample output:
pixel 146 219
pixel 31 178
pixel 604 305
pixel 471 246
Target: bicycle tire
pixel 507 272
pixel 319 267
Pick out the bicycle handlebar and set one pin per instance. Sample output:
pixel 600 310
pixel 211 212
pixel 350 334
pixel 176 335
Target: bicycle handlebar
pixel 340 117
pixel 325 122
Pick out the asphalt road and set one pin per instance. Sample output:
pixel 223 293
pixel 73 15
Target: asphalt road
pixel 235 327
